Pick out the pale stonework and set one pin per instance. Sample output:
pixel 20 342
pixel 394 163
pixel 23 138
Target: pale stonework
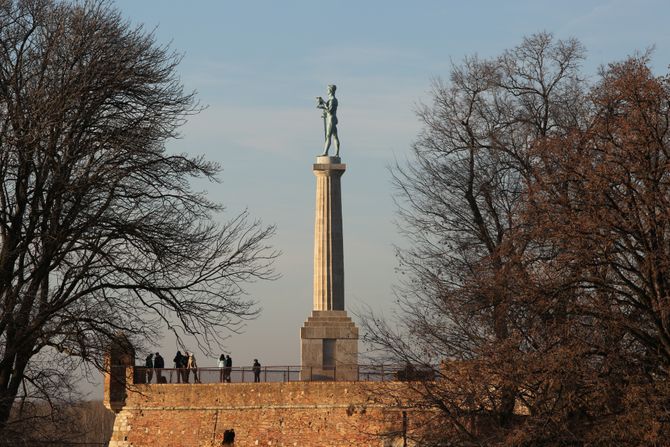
pixel 303 414
pixel 328 331
pixel 328 250
pixel 329 325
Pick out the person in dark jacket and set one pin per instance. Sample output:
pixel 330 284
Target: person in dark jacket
pixel 149 367
pixel 178 360
pixel 257 370
pixel 229 367
pixel 229 437
pixel 159 364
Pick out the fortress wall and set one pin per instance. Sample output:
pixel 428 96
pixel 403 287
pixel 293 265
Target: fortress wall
pixel 301 414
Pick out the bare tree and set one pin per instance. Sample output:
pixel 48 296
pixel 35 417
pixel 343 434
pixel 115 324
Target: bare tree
pixel 459 199
pixel 100 229
pixel 536 210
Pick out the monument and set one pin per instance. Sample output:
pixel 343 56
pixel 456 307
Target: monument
pixel 329 338
pixel 329 407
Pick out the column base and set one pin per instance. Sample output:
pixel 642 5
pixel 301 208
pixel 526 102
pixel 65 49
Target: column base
pixel 329 347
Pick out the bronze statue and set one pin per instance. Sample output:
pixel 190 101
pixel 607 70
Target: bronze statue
pixel 329 120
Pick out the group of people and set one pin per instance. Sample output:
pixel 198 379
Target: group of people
pixel 185 365
pixel 225 364
pixel 154 364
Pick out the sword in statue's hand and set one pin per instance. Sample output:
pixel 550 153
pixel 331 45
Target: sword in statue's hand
pixel 321 105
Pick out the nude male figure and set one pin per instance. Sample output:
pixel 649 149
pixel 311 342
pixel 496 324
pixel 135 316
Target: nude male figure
pixel 330 120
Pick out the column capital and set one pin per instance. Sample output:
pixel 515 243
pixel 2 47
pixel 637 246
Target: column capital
pixel 328 163
pixel 340 167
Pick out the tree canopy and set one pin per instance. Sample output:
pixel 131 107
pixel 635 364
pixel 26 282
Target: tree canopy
pixel 534 206
pixel 100 228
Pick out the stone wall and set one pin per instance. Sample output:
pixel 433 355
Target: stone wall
pixel 305 414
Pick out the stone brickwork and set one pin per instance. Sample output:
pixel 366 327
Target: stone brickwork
pixel 305 414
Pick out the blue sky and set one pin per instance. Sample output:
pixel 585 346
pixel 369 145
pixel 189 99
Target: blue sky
pixel 258 65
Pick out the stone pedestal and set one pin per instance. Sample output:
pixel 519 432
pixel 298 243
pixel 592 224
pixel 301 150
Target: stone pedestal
pixel 329 339
pixel 329 346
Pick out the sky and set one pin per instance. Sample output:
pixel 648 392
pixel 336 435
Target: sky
pixel 257 67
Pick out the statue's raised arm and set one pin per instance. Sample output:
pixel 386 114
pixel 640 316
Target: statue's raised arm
pixel 329 107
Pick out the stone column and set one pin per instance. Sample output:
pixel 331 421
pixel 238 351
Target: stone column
pixel 328 249
pixel 329 339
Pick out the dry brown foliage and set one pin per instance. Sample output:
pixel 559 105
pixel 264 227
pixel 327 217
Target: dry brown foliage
pixel 536 208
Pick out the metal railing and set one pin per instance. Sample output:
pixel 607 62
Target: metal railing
pixel 358 373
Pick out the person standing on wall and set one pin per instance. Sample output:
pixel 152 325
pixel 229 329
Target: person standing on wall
pixel 222 367
pixel 191 365
pixel 257 370
pixel 177 365
pixel 149 367
pixel 229 367
pixel 184 367
pixel 159 364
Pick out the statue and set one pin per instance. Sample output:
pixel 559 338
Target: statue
pixel 329 120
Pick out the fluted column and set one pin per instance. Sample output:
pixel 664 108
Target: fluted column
pixel 329 338
pixel 328 246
